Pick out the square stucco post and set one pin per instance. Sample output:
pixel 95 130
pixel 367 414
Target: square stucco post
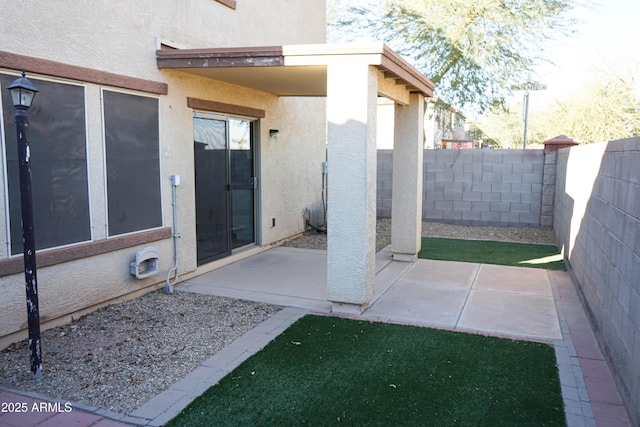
pixel 406 207
pixel 351 217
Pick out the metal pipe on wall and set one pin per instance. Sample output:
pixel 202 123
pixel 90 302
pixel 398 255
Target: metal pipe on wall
pixel 175 182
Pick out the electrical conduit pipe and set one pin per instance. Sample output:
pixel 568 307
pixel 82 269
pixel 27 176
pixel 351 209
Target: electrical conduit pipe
pixel 175 181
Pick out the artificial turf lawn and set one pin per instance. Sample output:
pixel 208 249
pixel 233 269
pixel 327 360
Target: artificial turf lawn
pixel 328 370
pixel 492 252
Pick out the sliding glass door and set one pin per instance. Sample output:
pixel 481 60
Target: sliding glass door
pixel 224 152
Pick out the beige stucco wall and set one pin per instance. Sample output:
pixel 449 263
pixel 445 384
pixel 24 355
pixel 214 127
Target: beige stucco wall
pixel 291 168
pixel 122 38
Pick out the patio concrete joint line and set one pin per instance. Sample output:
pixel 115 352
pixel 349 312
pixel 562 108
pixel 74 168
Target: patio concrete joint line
pixel 466 298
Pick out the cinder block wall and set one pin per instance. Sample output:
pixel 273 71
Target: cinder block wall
pixel 474 187
pixel 597 224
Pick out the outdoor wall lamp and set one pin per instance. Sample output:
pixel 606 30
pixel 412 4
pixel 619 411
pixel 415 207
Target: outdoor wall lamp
pixel 273 133
pixel 22 94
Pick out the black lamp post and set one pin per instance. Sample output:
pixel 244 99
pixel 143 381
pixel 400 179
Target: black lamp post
pixel 22 94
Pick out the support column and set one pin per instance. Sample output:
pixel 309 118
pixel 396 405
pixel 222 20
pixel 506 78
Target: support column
pixel 406 207
pixel 351 208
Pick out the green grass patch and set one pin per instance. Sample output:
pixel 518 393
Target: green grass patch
pixel 330 371
pixel 492 252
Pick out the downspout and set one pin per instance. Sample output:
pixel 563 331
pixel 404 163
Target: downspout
pixel 175 181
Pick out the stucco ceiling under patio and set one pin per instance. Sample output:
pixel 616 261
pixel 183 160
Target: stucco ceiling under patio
pixel 297 70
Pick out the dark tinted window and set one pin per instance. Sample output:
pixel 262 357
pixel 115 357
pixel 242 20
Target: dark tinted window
pixel 57 137
pixel 133 162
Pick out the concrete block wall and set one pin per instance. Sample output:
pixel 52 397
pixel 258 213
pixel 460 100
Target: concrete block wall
pixel 597 225
pixel 548 190
pixel 474 187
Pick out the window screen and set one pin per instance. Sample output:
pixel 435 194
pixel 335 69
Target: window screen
pixel 133 162
pixel 57 139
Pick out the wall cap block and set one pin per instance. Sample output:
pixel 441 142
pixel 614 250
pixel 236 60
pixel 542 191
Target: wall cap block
pixel 560 141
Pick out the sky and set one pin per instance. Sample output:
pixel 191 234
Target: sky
pixel 608 35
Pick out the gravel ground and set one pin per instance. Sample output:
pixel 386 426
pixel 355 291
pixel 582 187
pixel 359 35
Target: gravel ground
pixel 120 356
pixel 314 240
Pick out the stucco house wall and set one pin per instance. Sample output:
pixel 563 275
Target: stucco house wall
pixel 122 39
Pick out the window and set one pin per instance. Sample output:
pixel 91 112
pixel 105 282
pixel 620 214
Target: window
pixel 57 137
pixel 131 132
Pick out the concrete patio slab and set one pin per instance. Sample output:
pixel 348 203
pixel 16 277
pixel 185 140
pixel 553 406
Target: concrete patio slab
pixel 447 273
pixel 433 305
pixel 493 299
pixel 283 276
pixel 507 313
pixel 513 279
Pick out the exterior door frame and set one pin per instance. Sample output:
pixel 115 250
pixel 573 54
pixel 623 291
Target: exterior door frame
pixel 255 147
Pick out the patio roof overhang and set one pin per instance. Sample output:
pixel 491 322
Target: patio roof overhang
pixel 350 77
pixel 297 70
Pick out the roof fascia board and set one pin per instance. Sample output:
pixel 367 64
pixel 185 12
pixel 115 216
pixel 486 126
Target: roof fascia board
pixel 267 56
pixel 376 54
pixel 394 63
